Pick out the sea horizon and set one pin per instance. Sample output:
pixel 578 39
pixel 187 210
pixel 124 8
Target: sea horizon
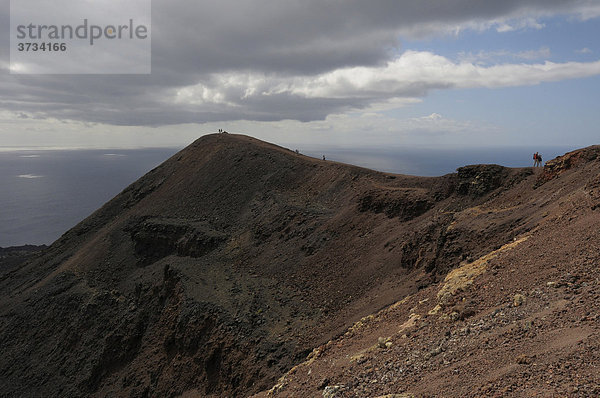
pixel 47 192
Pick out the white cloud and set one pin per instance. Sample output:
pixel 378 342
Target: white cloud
pixel 584 50
pixel 349 131
pixel 33 133
pixel 433 116
pixel 489 57
pixel 411 75
pixel 589 11
pixel 541 53
pixel 336 130
pixel 518 24
pixel 483 57
pixel 415 72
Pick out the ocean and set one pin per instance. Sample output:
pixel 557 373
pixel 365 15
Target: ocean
pixel 44 193
pixel 434 162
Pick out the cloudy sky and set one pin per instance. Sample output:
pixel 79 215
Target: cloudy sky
pixel 348 73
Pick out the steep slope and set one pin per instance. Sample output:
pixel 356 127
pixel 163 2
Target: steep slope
pixel 13 257
pixel 522 320
pixel 222 268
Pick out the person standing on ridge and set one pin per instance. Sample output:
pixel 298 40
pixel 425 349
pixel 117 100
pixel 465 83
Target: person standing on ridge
pixel 537 160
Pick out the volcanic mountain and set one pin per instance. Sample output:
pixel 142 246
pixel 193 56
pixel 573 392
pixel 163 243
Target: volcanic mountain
pixel 221 270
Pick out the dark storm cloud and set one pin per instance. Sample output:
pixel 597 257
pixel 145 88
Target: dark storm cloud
pixel 195 43
pixel 309 36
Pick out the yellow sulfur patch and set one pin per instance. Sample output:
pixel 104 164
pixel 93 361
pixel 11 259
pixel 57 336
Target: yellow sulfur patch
pixel 463 276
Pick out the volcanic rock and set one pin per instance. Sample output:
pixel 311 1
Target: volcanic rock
pixel 239 267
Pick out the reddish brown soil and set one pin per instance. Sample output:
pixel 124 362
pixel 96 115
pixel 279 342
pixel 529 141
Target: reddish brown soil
pixel 482 340
pixel 217 272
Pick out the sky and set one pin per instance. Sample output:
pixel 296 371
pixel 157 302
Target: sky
pixel 338 73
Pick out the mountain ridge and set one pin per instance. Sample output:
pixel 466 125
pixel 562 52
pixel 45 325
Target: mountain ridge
pixel 222 268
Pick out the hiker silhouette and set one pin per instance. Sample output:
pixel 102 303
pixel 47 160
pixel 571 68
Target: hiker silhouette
pixel 537 160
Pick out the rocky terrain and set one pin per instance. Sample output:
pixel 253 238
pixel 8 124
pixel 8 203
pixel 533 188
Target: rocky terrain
pixel 13 257
pixel 240 268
